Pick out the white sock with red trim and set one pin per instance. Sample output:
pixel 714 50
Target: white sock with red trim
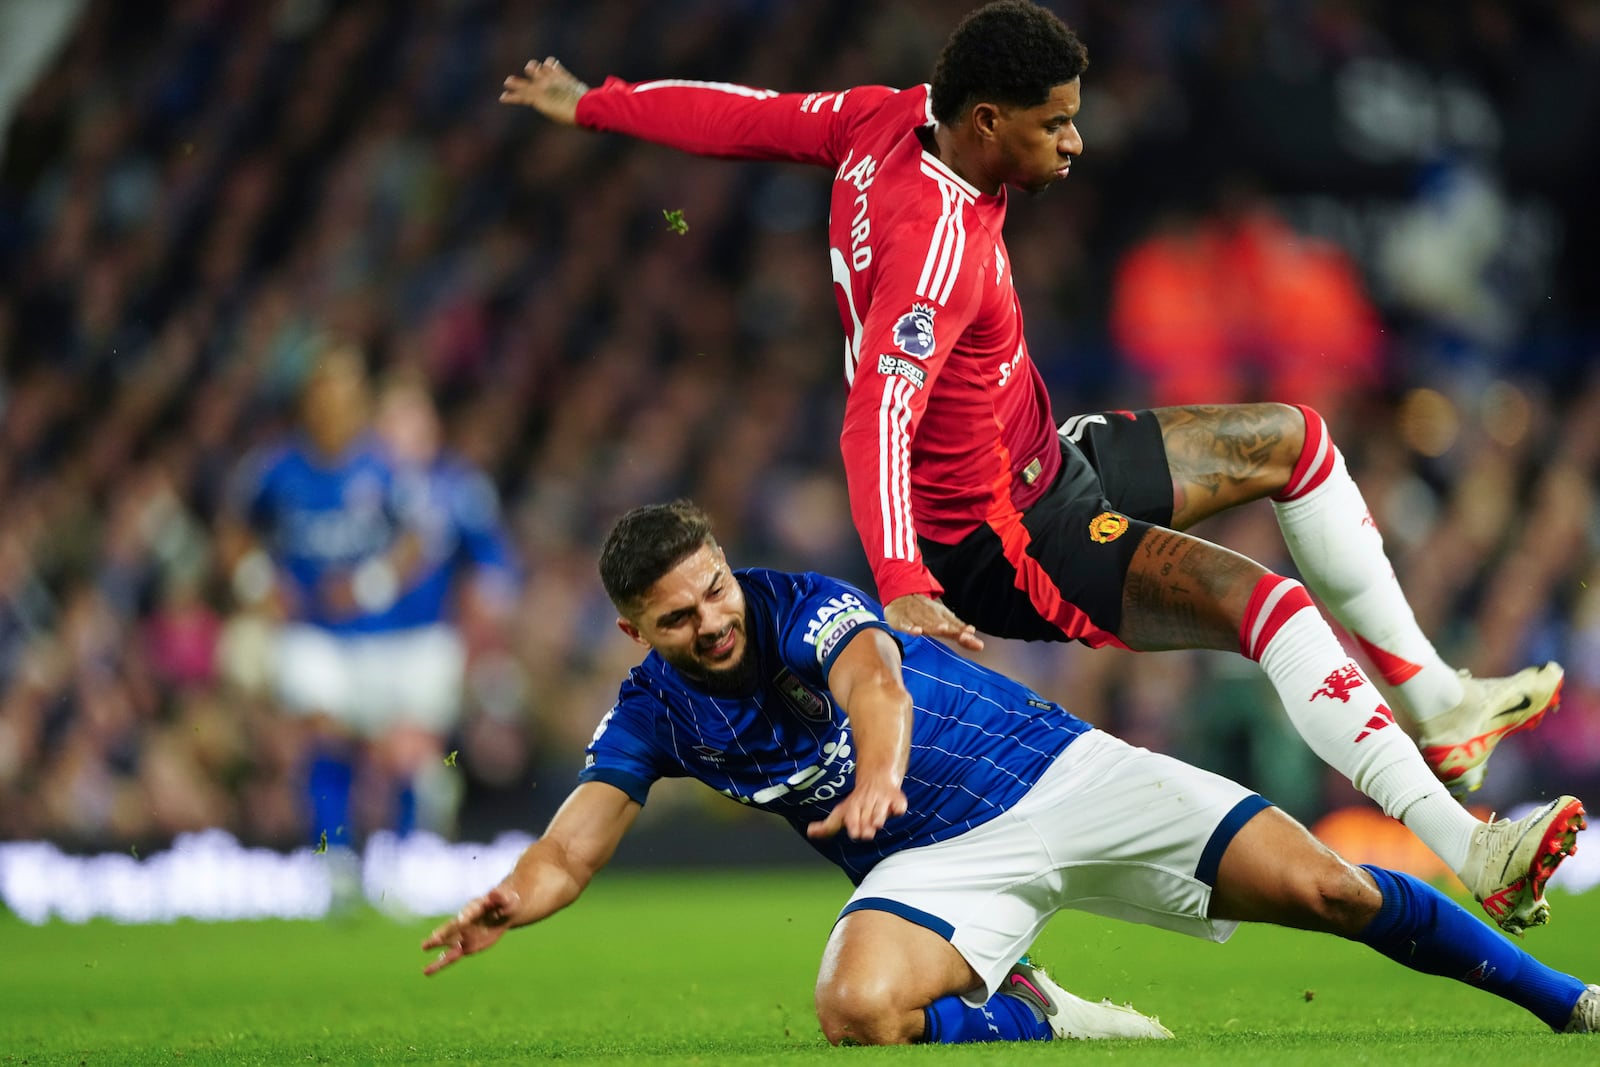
pixel 1343 718
pixel 1339 551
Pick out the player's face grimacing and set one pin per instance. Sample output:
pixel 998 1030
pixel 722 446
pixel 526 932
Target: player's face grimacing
pixel 1036 145
pixel 694 616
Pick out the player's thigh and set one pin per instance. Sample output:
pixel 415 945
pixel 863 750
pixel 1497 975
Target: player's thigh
pixel 879 958
pixel 980 897
pixel 1181 591
pixel 1137 835
pixel 314 674
pixel 1275 871
pixel 412 678
pixel 1224 455
pixel 1109 828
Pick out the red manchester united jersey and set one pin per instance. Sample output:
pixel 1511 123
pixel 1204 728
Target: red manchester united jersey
pixel 948 424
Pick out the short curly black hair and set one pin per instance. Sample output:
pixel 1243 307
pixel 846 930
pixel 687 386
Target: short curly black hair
pixel 1009 52
pixel 645 544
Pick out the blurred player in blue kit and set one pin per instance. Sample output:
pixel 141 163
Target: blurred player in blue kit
pixel 361 542
pixel 965 808
pixel 466 566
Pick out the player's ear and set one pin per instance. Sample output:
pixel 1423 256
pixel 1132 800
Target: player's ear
pixel 985 119
pixel 632 631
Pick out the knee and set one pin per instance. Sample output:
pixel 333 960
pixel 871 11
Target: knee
pixel 1298 422
pixel 1307 454
pixel 1336 897
pixel 865 1011
pixel 1297 426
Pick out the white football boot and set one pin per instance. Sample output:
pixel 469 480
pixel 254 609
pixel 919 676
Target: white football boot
pixel 1586 1013
pixel 1073 1018
pixel 1509 862
pixel 1457 744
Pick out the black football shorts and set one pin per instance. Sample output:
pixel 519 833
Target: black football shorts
pixel 1055 572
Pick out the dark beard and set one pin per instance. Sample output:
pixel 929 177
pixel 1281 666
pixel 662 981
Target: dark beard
pixel 736 681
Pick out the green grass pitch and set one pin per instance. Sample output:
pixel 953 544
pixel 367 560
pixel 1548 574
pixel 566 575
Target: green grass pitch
pixel 715 969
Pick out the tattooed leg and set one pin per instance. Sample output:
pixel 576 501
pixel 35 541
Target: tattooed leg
pixel 1226 455
pixel 1182 592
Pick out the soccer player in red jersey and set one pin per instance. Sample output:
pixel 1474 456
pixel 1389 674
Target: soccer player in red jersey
pixel 978 513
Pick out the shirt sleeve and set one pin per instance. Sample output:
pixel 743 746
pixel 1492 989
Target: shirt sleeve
pixel 623 752
pixel 825 615
pixel 247 496
pixel 728 121
pixel 475 506
pixel 924 295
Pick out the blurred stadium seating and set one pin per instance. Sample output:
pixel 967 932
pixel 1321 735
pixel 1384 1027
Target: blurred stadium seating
pixel 191 192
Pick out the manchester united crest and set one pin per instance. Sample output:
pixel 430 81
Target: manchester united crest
pixel 1107 526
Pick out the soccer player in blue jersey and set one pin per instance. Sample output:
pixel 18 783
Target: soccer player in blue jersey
pixel 966 809
pixel 361 550
pixel 464 565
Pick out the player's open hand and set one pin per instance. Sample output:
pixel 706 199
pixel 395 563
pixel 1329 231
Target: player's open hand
pixel 862 812
pixel 476 927
pixel 548 88
pixel 921 615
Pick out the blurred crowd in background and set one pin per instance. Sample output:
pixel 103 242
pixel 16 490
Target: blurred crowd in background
pixel 1383 210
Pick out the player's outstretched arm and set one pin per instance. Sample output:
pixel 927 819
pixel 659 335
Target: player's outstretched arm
pixel 548 88
pixel 922 615
pixel 866 680
pixel 549 875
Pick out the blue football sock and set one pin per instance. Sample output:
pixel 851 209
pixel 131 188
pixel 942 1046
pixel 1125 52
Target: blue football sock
pixel 328 789
pixel 1428 932
pixel 405 810
pixel 952 1021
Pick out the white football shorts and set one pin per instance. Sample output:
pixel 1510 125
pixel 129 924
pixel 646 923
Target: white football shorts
pixel 372 683
pixel 1110 829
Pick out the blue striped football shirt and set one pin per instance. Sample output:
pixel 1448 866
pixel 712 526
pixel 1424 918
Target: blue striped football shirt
pixel 979 740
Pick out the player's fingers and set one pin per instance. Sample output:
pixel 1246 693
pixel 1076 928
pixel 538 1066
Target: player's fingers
pixel 969 638
pixel 499 904
pixel 444 959
pixel 441 936
pixel 870 817
pixel 827 827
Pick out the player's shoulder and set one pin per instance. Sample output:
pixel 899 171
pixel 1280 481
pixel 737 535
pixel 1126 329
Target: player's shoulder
pixel 644 691
pixel 791 585
pixel 805 597
pixel 463 483
pixel 880 102
pixel 928 195
pixel 273 461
